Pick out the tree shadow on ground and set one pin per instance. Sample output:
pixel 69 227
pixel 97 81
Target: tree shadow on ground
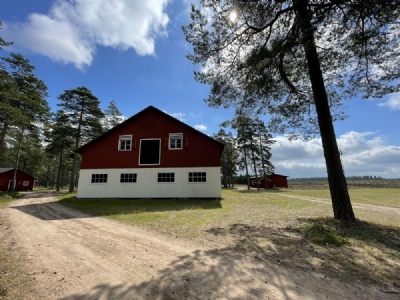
pixel 104 207
pixel 85 208
pixel 276 263
pixel 50 211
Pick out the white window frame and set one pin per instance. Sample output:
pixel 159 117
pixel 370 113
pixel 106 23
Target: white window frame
pixel 91 178
pixel 197 175
pixel 134 178
pixel 25 183
pixel 174 137
pixel 169 182
pixel 125 137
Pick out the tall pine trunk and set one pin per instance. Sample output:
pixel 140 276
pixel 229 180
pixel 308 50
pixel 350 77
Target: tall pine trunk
pixel 75 159
pixel 342 209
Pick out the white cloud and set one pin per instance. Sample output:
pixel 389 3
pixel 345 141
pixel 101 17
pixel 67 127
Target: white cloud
pixel 201 127
pixel 181 116
pixel 72 30
pixel 393 102
pixel 363 153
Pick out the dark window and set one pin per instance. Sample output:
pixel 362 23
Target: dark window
pixel 197 177
pixel 125 142
pixel 166 177
pixel 128 177
pixel 175 141
pixel 99 178
pixel 149 152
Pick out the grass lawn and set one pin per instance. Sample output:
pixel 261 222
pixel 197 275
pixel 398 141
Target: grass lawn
pixel 6 198
pixel 298 233
pixel 376 196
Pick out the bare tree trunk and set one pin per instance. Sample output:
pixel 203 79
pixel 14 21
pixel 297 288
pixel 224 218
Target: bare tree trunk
pixel 59 170
pixel 255 169
pixel 342 208
pixel 14 181
pixel 247 168
pixel 75 161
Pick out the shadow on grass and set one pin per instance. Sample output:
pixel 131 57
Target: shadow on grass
pixel 105 207
pixel 369 233
pixel 86 208
pixel 268 263
pixel 372 256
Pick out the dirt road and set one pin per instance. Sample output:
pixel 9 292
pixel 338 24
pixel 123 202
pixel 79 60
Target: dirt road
pixel 65 254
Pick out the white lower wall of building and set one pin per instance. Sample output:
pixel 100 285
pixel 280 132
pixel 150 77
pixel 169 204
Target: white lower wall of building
pixel 147 185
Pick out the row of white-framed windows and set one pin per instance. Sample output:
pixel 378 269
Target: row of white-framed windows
pixel 175 141
pixel 161 177
pixel 166 177
pixel 128 177
pixel 99 178
pixel 197 177
pixel 125 143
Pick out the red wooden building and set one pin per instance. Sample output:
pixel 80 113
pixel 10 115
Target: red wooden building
pixel 151 155
pixel 273 180
pixel 24 181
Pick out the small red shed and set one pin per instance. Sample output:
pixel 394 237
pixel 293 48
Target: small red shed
pixel 25 182
pixel 273 180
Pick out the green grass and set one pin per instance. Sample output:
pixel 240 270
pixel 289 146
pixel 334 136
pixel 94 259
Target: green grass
pixel 193 217
pixel 6 198
pixel 323 235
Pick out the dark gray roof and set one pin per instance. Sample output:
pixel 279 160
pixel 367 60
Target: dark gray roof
pixel 3 170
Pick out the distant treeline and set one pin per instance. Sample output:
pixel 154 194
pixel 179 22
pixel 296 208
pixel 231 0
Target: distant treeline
pixel 365 177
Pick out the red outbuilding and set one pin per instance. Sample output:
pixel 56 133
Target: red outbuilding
pixel 24 181
pixel 273 180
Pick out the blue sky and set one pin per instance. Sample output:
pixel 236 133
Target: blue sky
pixel 134 52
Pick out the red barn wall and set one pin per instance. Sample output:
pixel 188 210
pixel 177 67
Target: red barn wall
pixel 279 181
pixel 21 177
pixel 198 149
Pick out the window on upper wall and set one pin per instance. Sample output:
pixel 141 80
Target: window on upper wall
pixel 99 178
pixel 149 152
pixel 197 177
pixel 125 143
pixel 175 141
pixel 166 177
pixel 128 177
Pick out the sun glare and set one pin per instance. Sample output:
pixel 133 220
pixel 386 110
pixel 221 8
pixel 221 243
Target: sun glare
pixel 233 16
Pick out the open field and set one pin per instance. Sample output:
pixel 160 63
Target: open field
pixel 323 184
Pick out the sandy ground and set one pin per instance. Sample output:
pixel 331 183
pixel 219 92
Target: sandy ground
pixel 64 254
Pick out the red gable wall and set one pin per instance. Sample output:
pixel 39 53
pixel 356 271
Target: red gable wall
pixel 198 150
pixel 21 177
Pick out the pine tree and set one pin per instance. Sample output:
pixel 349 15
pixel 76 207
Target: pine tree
pixel 229 159
pixel 60 140
pixel 23 103
pixel 83 111
pixel 112 116
pixel 296 60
